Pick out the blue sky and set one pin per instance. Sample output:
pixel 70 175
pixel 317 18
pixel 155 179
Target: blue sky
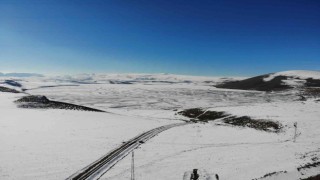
pixel 205 37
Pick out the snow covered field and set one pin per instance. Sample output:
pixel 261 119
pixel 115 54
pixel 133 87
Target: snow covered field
pixel 53 144
pixel 232 152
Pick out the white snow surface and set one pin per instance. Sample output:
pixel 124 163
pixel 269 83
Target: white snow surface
pixel 301 74
pixel 232 152
pixel 53 144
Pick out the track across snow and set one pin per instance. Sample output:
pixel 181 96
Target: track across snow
pixel 96 169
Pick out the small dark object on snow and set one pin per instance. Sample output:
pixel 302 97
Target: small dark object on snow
pixel 194 175
pixel 217 176
pixel 302 98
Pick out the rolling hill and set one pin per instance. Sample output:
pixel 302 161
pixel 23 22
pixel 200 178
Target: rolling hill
pixel 276 81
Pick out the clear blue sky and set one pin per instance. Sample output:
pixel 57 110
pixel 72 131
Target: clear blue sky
pixel 198 37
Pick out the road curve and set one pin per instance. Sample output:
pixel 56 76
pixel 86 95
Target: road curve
pixel 99 167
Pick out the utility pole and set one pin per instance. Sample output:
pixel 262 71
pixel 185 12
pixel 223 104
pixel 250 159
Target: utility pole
pixel 132 166
pixel 295 131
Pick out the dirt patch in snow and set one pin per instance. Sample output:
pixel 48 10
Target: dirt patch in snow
pixel 259 124
pixel 201 115
pixel 5 89
pixel 311 92
pixel 198 114
pixel 312 82
pixel 12 83
pixel 42 102
pixel 317 177
pixel 191 113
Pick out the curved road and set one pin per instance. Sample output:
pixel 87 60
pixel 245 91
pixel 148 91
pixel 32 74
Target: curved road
pixel 96 169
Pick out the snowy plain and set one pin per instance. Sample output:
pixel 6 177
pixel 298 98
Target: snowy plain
pixel 53 144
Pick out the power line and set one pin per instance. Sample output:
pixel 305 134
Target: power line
pixel 132 166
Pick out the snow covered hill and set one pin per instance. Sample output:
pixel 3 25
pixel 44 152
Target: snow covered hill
pixel 297 74
pixel 20 74
pixel 276 81
pixel 43 82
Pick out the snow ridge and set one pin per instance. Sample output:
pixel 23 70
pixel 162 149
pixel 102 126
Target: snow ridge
pixel 301 74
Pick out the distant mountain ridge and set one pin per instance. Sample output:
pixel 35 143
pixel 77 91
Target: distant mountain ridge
pixel 276 81
pixel 20 75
